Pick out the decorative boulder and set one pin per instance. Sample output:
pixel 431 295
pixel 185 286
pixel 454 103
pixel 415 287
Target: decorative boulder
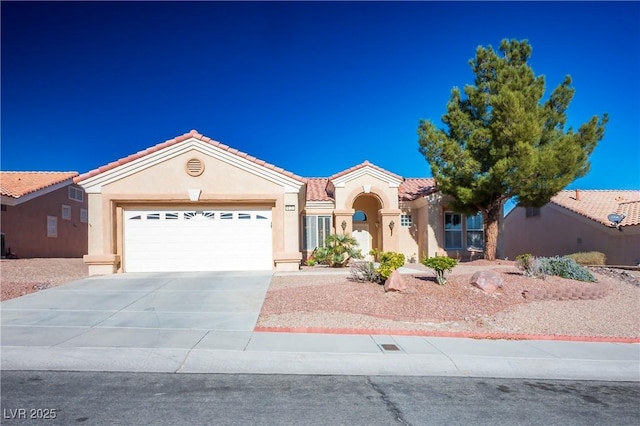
pixel 395 282
pixel 487 281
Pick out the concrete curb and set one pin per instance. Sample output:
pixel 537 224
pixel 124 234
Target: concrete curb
pixel 462 334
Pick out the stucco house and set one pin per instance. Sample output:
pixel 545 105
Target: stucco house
pixel 576 221
pixel 192 203
pixel 44 214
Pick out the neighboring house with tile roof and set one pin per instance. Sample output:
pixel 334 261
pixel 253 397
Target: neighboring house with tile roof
pixel 44 214
pixel 192 203
pixel 576 221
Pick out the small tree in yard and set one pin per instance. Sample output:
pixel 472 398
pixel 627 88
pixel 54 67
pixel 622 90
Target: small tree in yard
pixel 503 142
pixel 440 264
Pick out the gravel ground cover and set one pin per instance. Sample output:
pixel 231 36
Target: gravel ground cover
pixel 335 302
pixel 330 301
pixel 23 276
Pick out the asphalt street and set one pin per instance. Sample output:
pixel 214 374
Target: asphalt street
pixel 44 397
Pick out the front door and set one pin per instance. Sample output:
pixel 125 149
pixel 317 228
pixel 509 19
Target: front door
pixel 363 237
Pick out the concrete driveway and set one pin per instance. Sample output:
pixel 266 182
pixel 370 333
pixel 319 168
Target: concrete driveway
pixel 154 310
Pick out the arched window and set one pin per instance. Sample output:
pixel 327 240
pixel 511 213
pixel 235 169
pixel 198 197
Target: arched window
pixel 359 216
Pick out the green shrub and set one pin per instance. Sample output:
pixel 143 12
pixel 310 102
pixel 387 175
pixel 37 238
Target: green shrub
pixel 389 262
pixel 588 258
pixel 338 250
pixel 565 267
pixel 440 264
pixel 526 263
pixel 367 271
pixel 376 254
pixel 364 272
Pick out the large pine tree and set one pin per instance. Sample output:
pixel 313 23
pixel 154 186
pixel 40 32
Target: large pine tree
pixel 502 141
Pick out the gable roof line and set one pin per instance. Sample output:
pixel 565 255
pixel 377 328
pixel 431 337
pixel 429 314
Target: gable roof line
pixel 186 136
pixel 35 181
pixel 17 187
pixel 362 165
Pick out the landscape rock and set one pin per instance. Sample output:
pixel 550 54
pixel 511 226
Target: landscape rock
pixel 395 282
pixel 487 281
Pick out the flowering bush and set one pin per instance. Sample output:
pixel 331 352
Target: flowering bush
pixel 389 262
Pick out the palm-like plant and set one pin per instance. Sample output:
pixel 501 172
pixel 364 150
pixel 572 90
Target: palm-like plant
pixel 338 250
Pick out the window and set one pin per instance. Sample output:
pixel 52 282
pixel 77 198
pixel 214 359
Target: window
pixel 359 216
pixel 52 226
pixel 452 231
pixel 84 216
pixel 406 220
pixel 66 212
pixel 475 232
pixel 533 211
pixel 76 194
pixel 316 230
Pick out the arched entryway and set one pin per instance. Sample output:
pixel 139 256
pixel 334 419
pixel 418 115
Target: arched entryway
pixel 366 222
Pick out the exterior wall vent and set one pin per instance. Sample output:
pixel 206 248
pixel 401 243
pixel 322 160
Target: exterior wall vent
pixel 195 167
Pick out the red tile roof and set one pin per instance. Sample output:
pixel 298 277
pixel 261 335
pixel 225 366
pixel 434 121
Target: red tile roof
pixel 361 165
pixel 18 184
pixel 182 138
pixel 598 204
pixel 410 189
pixel 414 188
pixel 317 190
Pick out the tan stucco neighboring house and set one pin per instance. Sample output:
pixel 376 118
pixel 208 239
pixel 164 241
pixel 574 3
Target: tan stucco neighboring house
pixel 577 221
pixel 44 214
pixel 192 203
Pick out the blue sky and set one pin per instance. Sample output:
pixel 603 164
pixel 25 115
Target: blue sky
pixel 313 87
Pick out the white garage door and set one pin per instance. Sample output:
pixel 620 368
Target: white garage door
pixel 197 240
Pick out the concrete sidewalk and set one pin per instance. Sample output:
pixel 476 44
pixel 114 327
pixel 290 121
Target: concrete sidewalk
pixel 210 351
pixel 165 323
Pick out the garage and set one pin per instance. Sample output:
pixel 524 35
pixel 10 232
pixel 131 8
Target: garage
pixel 166 240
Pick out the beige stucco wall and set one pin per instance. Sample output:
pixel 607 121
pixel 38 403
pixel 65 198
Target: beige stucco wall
pixel 166 183
pixel 365 192
pixel 558 231
pixel 408 236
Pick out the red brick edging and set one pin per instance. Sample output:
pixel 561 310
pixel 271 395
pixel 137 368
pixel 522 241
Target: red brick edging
pixel 463 334
pixel 581 291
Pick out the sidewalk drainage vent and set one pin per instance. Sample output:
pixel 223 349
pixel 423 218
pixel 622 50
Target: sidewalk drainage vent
pixel 390 347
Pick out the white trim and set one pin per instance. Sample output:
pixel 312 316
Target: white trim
pixel 341 181
pixel 52 226
pixel 65 208
pixel 194 194
pixel 14 201
pixel 93 185
pixel 75 191
pixel 318 205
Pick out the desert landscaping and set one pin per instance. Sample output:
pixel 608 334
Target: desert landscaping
pixel 327 299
